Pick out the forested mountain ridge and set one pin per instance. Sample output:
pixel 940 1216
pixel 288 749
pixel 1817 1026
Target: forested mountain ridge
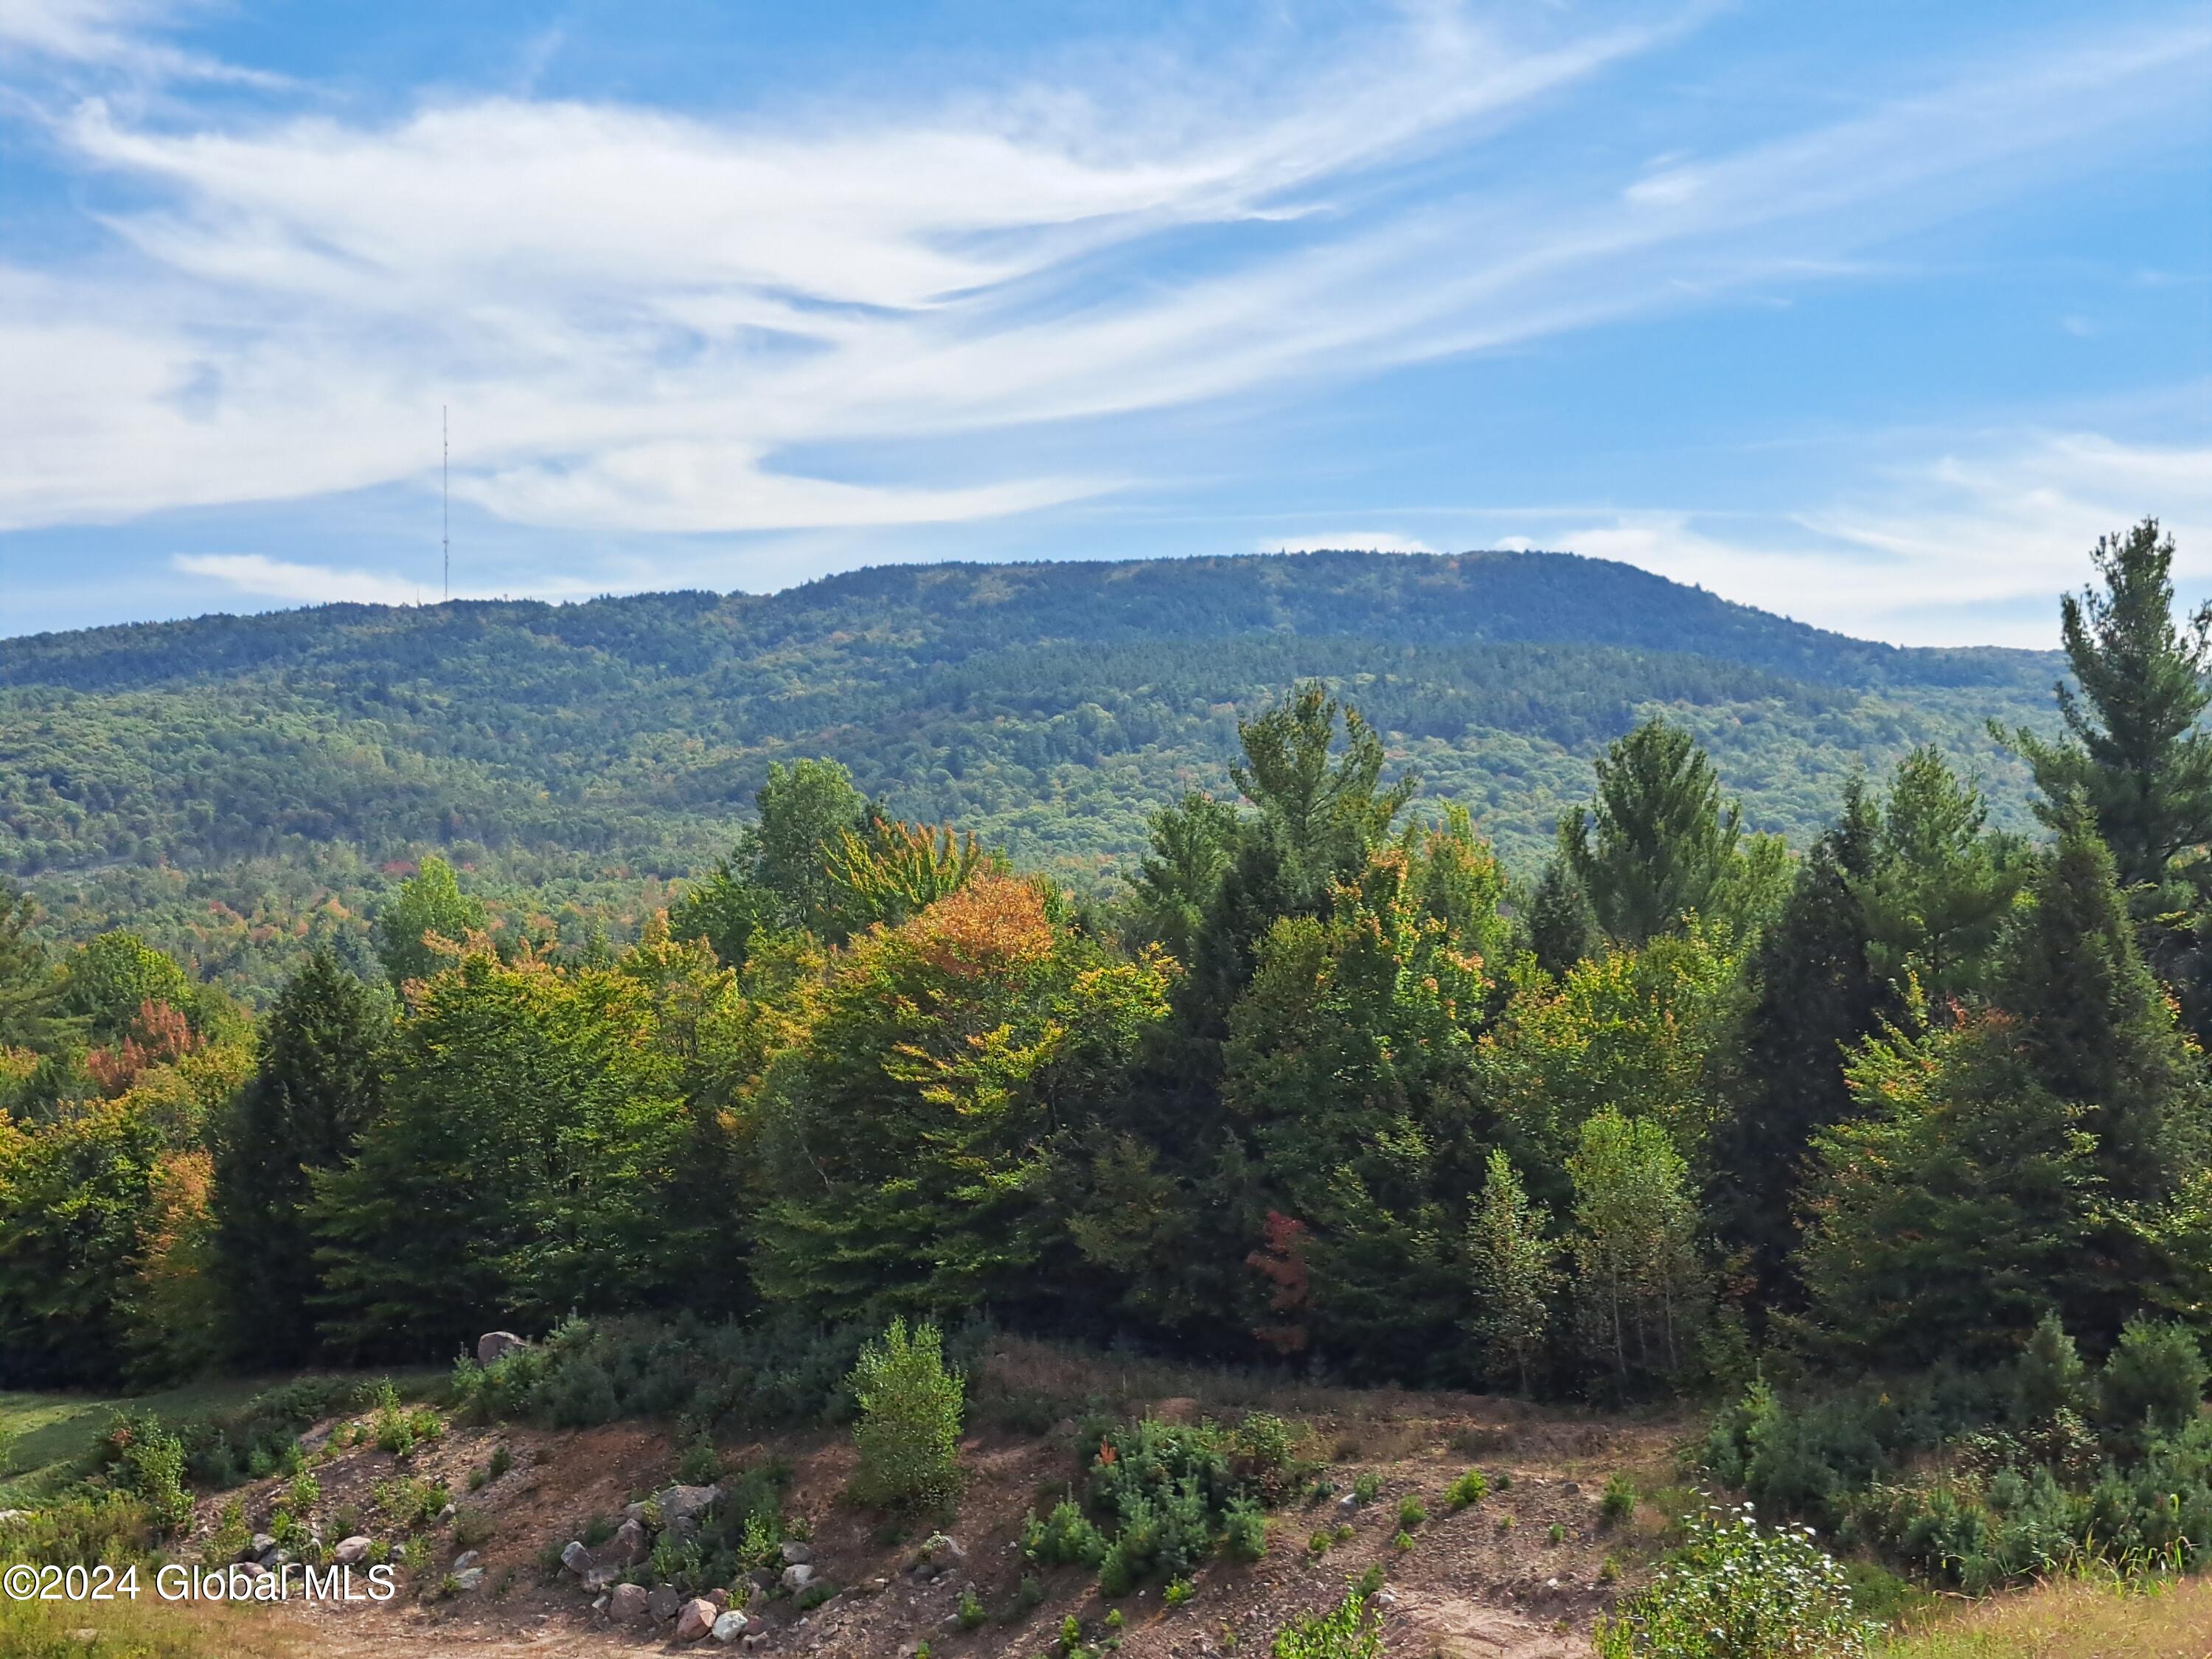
pixel 234 784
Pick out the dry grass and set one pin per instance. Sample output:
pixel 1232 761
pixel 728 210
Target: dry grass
pixel 145 1629
pixel 2071 1618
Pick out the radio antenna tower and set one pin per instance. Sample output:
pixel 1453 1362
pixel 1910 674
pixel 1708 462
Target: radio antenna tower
pixel 445 502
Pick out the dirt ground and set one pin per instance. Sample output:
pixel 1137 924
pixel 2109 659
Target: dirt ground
pixel 1488 1583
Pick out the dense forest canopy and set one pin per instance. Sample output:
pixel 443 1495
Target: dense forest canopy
pixel 238 789
pixel 1896 1142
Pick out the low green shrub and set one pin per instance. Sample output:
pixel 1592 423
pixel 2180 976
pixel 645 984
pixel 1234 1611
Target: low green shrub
pixel 1735 1590
pixel 1465 1492
pixel 907 1435
pixel 1352 1629
pixel 1618 1502
pixel 1067 1537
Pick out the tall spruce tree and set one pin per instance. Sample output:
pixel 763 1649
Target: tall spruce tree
pixel 2093 1026
pixel 30 1015
pixel 1815 995
pixel 1941 883
pixel 2134 750
pixel 1562 931
pixel 1322 810
pixel 1658 845
pixel 316 1086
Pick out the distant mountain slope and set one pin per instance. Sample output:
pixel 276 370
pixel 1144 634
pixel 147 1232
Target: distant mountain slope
pixel 235 783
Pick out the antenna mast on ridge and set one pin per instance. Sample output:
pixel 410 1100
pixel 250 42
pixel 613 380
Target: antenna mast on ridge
pixel 445 501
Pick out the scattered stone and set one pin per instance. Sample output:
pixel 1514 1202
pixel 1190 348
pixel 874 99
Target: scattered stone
pixel 629 1543
pixel 350 1550
pixel 577 1559
pixel 469 1579
pixel 1572 1488
pixel 253 1570
pixel 721 1598
pixel 448 1512
pixel 681 1506
pixel 795 1551
pixel 494 1344
pixel 755 1640
pixel 466 1559
pixel 1349 1501
pixel 276 1558
pixel 938 1547
pixel 627 1602
pixel 729 1625
pixel 602 1578
pixel 761 1578
pixel 697 1618
pixel 600 1606
pixel 663 1601
pixel 798 1578
pixel 263 1543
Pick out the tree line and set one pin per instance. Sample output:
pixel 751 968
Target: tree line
pixel 1327 1087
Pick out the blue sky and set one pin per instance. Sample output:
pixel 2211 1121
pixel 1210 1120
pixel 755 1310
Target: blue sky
pixel 1872 314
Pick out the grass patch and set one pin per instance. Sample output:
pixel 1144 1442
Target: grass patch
pixel 53 1433
pixel 2068 1618
pixel 145 1629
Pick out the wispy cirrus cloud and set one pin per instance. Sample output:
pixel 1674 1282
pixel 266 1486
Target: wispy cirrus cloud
pixel 662 322
pixel 265 578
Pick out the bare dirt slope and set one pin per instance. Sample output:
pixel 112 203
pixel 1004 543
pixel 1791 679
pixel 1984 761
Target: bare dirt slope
pixel 1519 1576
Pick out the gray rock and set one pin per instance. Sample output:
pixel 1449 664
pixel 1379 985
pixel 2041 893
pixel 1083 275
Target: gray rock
pixel 350 1550
pixel 728 1627
pixel 263 1543
pixel 681 1506
pixel 627 1602
pixel 663 1601
pixel 577 1559
pixel 938 1549
pixel 469 1579
pixel 797 1578
pixel 601 1578
pixel 493 1343
pixel 795 1551
pixel 448 1512
pixel 253 1570
pixel 276 1558
pixel 629 1543
pixel 466 1559
pixel 695 1619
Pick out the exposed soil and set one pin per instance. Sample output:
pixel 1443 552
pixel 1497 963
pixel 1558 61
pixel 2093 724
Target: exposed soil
pixel 1488 1583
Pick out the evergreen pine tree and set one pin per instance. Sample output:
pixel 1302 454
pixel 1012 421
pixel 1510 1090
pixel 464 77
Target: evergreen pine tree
pixel 316 1086
pixel 2133 749
pixel 2093 1026
pixel 1815 995
pixel 1657 844
pixel 1561 930
pixel 1940 884
pixel 31 1014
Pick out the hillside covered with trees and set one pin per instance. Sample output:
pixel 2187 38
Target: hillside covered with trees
pixel 1896 1143
pixel 239 789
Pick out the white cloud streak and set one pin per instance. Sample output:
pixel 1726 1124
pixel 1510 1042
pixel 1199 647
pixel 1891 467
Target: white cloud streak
pixel 646 322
